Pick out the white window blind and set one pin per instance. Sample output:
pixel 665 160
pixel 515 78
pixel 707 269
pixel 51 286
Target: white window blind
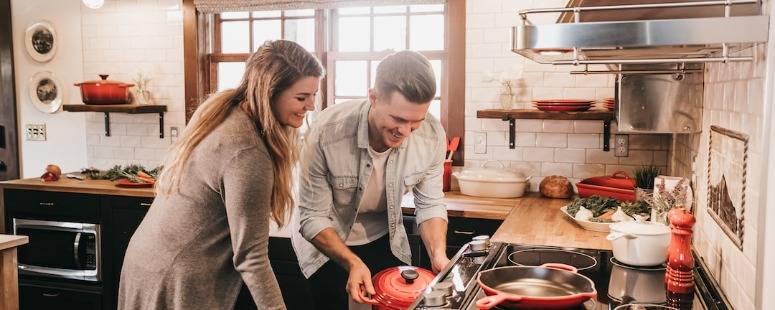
pixel 218 6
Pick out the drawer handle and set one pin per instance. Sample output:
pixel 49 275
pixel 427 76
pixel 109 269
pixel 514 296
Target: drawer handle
pixel 50 294
pixel 46 204
pixel 460 232
pixel 145 204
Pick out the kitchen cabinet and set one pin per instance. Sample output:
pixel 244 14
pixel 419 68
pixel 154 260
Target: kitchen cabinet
pixel 41 295
pixel 459 232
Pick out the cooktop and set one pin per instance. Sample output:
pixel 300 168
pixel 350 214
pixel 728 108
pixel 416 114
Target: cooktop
pixel 617 284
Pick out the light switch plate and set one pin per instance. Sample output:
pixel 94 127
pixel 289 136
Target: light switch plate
pixel 622 145
pixel 35 132
pixel 480 143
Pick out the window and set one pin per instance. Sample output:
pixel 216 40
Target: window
pixel 364 35
pixel 236 34
pixel 348 41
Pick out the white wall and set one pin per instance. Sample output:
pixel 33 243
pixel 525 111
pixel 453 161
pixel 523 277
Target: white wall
pixel 65 145
pixel 120 39
pixel 551 147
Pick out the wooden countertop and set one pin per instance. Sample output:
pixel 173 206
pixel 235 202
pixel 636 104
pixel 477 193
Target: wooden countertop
pixel 98 187
pixel 539 221
pixel 10 241
pixel 459 205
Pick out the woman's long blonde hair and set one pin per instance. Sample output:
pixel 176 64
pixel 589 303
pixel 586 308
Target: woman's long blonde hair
pixel 269 71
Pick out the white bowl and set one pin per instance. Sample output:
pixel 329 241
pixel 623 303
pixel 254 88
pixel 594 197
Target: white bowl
pixel 588 225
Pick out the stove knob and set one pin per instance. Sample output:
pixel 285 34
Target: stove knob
pixel 484 238
pixel 478 245
pixel 446 287
pixel 435 299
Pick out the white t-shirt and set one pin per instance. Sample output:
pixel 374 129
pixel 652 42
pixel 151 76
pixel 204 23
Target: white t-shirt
pixel 371 222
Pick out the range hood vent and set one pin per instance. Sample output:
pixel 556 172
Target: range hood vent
pixel 618 32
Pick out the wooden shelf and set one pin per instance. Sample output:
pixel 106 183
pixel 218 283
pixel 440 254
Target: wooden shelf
pixel 120 108
pixel 536 114
pixel 513 114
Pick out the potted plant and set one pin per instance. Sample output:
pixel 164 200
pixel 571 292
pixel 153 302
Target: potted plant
pixel 644 181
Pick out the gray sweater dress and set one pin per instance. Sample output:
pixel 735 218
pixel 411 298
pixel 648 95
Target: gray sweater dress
pixel 195 245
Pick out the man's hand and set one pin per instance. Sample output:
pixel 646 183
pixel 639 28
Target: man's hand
pixel 359 284
pixel 439 262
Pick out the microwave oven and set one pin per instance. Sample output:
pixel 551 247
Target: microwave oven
pixel 60 249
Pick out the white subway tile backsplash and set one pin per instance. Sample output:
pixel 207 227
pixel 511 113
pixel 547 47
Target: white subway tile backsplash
pixel 557 126
pixel 497 138
pixel 570 155
pixel 638 158
pixel 584 140
pixel 529 125
pixel 558 80
pixel 538 154
pixel 588 127
pixel 598 156
pixel 552 140
pixel 525 139
pixel 504 153
pixel 563 169
pixel 588 170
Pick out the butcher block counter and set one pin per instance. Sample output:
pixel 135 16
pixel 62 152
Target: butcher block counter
pixel 65 185
pixel 539 221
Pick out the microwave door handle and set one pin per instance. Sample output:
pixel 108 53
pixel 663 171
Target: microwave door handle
pixel 76 247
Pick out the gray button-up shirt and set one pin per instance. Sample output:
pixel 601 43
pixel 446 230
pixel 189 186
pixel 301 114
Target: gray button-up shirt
pixel 335 167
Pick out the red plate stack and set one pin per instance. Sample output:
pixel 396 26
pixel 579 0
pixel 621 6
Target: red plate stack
pixel 609 103
pixel 565 105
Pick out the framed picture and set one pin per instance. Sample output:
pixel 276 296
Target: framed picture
pixel 727 170
pixel 46 92
pixel 40 39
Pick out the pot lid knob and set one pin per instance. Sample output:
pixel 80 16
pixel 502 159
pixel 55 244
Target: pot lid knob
pixel 103 76
pixel 409 275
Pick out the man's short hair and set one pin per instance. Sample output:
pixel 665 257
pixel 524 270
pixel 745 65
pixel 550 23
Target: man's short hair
pixel 408 73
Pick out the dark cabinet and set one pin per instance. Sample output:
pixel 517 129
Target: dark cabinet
pixel 126 213
pixel 459 232
pixel 54 296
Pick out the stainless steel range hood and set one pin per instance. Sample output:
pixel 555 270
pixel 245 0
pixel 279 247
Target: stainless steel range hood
pixel 616 32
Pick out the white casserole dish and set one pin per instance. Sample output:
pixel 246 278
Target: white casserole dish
pixel 639 243
pixel 491 182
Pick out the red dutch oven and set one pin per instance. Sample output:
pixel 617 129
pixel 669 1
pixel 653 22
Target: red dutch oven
pixel 104 91
pixel 618 186
pixel 397 287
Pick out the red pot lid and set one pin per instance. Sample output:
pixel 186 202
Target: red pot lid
pixel 398 287
pixel 103 81
pixel 619 179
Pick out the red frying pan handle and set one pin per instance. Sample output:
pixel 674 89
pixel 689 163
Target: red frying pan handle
pixel 560 267
pixel 621 175
pixel 490 302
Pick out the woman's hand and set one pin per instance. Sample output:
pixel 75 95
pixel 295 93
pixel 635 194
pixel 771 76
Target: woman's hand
pixel 359 284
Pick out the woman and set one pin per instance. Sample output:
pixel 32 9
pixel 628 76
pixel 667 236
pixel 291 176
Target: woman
pixel 208 228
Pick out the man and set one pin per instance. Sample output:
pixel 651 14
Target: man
pixel 359 159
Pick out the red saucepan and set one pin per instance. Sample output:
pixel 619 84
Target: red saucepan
pixel 549 286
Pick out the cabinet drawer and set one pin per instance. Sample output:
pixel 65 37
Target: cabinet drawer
pixel 34 297
pixel 52 205
pixel 461 230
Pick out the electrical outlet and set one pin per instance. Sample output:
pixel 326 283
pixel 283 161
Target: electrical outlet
pixel 174 133
pixel 622 145
pixel 35 132
pixel 480 143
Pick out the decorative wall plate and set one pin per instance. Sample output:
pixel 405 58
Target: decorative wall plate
pixel 727 173
pixel 40 39
pixel 46 92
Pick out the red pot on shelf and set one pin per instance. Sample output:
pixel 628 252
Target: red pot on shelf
pixel 105 91
pixel 398 287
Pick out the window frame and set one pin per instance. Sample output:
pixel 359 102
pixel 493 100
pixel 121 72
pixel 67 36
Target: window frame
pixel 199 37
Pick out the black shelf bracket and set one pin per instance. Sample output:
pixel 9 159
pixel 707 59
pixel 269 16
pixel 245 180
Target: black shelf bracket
pixel 512 133
pixel 161 124
pixel 606 135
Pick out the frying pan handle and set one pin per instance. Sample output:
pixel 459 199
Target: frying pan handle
pixel 490 302
pixel 560 267
pixel 620 175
